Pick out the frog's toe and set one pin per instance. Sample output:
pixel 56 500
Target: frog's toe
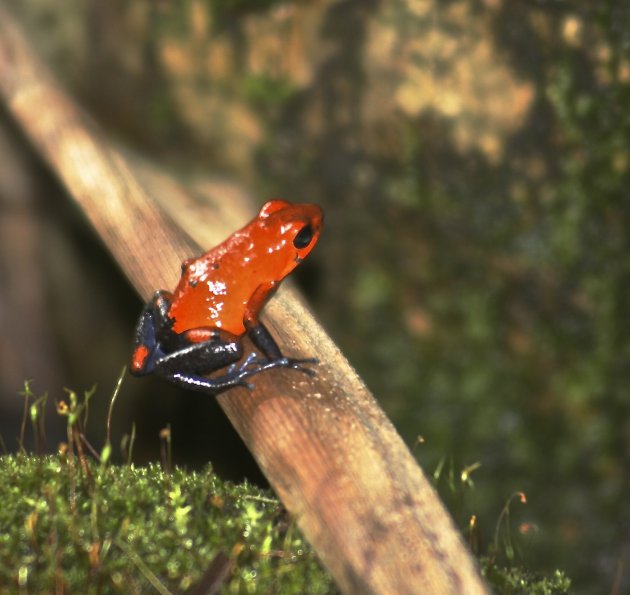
pixel 237 367
pixel 294 364
pixel 244 384
pixel 299 364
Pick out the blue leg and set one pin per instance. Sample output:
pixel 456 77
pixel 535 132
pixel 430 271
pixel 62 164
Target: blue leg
pixel 262 338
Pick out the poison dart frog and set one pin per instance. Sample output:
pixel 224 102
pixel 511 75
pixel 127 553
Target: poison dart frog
pixel 198 329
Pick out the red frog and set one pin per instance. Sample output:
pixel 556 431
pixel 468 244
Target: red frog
pixel 198 329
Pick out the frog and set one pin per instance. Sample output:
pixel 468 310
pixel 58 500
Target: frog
pixel 190 334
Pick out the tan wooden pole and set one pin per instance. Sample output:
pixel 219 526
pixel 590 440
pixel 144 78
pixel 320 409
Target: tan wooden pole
pixel 324 443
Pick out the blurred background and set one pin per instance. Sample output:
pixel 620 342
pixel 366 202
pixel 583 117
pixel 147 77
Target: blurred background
pixel 473 160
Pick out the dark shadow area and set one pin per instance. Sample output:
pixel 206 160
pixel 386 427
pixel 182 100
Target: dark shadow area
pixel 68 316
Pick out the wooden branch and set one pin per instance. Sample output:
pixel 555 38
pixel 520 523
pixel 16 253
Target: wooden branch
pixel 326 447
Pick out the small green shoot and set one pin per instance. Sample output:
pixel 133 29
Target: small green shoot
pixel 166 449
pixel 126 444
pixel 417 442
pixel 76 412
pixel 512 580
pixel 503 531
pixel 34 411
pixel 458 484
pixel 111 405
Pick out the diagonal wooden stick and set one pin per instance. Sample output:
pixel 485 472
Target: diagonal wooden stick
pixel 325 445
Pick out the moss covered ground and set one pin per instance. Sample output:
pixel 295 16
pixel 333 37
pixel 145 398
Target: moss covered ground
pixel 74 526
pixel 74 522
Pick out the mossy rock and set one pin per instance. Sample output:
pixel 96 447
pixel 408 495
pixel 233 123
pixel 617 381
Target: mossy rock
pixel 78 526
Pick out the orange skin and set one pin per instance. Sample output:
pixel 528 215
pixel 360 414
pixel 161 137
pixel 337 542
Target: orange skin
pixel 198 328
pixel 232 282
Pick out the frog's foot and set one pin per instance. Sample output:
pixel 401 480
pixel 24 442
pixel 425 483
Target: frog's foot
pixel 253 364
pixel 236 374
pixel 213 386
pixel 262 365
pixel 242 366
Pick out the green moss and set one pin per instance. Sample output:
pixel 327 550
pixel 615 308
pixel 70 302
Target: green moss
pixel 519 581
pixel 73 524
pixel 266 91
pixel 126 529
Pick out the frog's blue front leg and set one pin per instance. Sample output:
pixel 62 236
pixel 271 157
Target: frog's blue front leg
pixel 274 358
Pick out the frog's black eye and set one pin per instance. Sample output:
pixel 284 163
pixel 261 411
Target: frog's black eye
pixel 303 237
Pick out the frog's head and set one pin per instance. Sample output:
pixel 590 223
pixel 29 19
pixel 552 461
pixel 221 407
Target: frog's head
pixel 291 232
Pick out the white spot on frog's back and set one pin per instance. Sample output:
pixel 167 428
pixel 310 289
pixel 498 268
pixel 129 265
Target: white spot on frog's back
pixel 214 310
pixel 215 287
